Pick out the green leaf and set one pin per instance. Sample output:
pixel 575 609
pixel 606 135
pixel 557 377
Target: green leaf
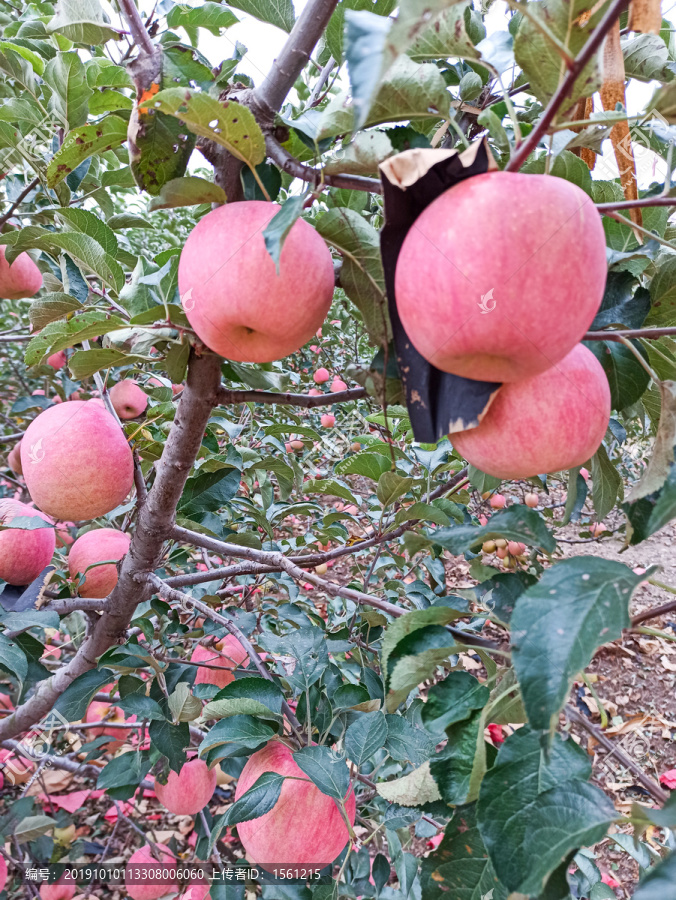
pixel 211 16
pixel 452 768
pixel 83 248
pixel 277 230
pixel 258 800
pixel 275 12
pixel 370 465
pixel 85 222
pixel 60 335
pixel 606 483
pixel 12 658
pixel 652 503
pixel 34 61
pixel 328 771
pixel 243 730
pixel 50 307
pixel 246 696
pixel 391 486
pixel 128 220
pixel 123 774
pixel 365 736
pixel 646 57
pixel 415 789
pixel 30 618
pixel 411 91
pixel 541 61
pixel 336 28
pixel 361 276
pixel 659 882
pixel 452 700
pixel 160 147
pixel 363 154
pixel 578 605
pixel 187 191
pixel 83 22
pixel 171 741
pixel 67 77
pixel 81 143
pixel 516 523
pixel 84 363
pixel 459 869
pixel 627 378
pixel 422 511
pixel 332 488
pixel 307 647
pixel 143 707
pixel 446 35
pixel 209 491
pixel 663 293
pixel 535 808
pixel 33 827
pixel 566 165
pixel 406 742
pixel 229 124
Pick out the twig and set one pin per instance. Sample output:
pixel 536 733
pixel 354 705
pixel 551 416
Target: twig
pixel 524 150
pixel 17 203
pixel 292 166
pixel 227 397
pixel 321 81
pixel 168 593
pixel 8 438
pixel 12 338
pixel 633 204
pixel 629 334
pixel 615 750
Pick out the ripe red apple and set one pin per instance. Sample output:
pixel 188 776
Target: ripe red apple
pixel 321 376
pixel 21 279
pixel 76 461
pixel 232 655
pixel 305 827
pixel 497 501
pixel 14 459
pixel 502 275
pixel 59 891
pixel 313 392
pixel 551 422
pixel 328 420
pixel 92 548
pixel 141 860
pixel 337 386
pixel 97 711
pixel 188 791
pixel 3 873
pixel 128 400
pixel 23 553
pixel 531 500
pixel 233 296
pixel 57 360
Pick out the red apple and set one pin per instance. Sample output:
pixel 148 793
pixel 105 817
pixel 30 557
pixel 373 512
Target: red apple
pixel 321 376
pixel 498 501
pixel 76 461
pixel 233 655
pixel 502 275
pixel 14 459
pixel 143 860
pixel 59 891
pixel 531 500
pixel 551 422
pixel 305 826
pixel 23 552
pixel 328 420
pixel 92 548
pixel 20 279
pixel 128 400
pixel 97 711
pixel 233 295
pixel 57 360
pixel 337 386
pixel 3 871
pixel 188 791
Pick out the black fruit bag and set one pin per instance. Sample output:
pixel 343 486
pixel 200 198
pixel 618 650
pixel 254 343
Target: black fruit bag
pixel 438 403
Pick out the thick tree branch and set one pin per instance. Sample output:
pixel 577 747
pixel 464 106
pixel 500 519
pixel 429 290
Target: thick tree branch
pixel 295 53
pixel 154 526
pixel 68 605
pixel 274 558
pixel 523 151
pixel 136 27
pixel 653 613
pixel 292 166
pixel 227 397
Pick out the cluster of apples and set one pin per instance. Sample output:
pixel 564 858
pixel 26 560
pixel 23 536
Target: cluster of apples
pixel 498 280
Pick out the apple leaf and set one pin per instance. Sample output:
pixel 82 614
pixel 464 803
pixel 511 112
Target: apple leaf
pixel 187 191
pixel 81 143
pixel 578 605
